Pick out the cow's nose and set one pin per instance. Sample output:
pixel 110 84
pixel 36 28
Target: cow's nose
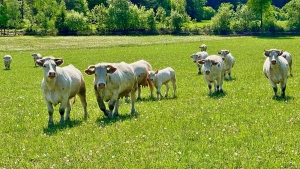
pixel 194 61
pixel 101 85
pixel 51 74
pixel 207 72
pixel 273 62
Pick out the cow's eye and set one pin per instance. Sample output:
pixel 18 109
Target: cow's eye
pixel 44 65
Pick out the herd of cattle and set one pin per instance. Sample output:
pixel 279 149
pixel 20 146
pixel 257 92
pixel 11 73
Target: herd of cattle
pixel 113 81
pixel 215 68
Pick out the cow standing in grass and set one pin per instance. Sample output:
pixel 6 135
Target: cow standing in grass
pixel 59 85
pixel 113 81
pixel 275 69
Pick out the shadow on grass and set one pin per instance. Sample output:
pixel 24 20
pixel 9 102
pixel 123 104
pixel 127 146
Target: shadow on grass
pixel 105 121
pixel 282 99
pixel 217 95
pixel 58 127
pixel 230 80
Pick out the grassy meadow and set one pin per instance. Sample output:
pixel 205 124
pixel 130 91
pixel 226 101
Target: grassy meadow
pixel 245 127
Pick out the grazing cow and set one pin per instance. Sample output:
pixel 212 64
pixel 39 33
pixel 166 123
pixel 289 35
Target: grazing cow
pixel 141 69
pixel 59 85
pixel 198 56
pixel 7 61
pixel 162 77
pixel 36 56
pixel 213 72
pixel 275 69
pixel 203 48
pixel 113 81
pixel 228 61
pixel 288 58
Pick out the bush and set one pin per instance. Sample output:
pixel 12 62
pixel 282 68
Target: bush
pixel 76 22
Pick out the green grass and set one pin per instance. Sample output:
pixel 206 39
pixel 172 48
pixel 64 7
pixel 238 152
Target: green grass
pixel 242 128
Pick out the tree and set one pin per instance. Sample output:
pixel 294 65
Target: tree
pixel 3 17
pixel 61 17
pixel 293 12
pixel 118 11
pixel 259 7
pixel 221 21
pixel 194 9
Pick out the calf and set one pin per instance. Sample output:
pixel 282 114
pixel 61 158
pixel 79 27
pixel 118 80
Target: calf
pixel 36 56
pixel 113 81
pixel 7 61
pixel 162 77
pixel 198 56
pixel 288 58
pixel 213 72
pixel 228 62
pixel 275 69
pixel 59 85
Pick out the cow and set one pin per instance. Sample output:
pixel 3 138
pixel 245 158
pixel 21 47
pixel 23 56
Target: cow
pixel 275 69
pixel 113 81
pixel 36 56
pixel 228 61
pixel 7 61
pixel 213 72
pixel 162 77
pixel 59 85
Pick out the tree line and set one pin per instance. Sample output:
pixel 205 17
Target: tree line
pixel 88 17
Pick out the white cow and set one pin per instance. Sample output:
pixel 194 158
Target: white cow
pixel 59 85
pixel 7 61
pixel 113 81
pixel 198 56
pixel 228 61
pixel 141 69
pixel 288 58
pixel 213 72
pixel 36 56
pixel 162 77
pixel 203 48
pixel 275 69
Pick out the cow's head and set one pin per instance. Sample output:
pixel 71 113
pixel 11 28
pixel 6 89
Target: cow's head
pixel 195 57
pixel 101 72
pixel 152 74
pixel 273 54
pixel 203 47
pixel 207 64
pixel 49 66
pixel 223 53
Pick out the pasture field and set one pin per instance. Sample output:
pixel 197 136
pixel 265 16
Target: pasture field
pixel 242 128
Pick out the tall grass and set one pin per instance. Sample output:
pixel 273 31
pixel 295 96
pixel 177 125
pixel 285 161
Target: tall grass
pixel 242 128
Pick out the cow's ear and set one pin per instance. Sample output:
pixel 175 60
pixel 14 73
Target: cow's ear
pixel 201 61
pixel 266 53
pixel 156 71
pixel 191 56
pixel 110 69
pixel 39 62
pixel 284 55
pixel 90 70
pixel 279 52
pixel 214 62
pixel 219 52
pixel 227 52
pixel 58 62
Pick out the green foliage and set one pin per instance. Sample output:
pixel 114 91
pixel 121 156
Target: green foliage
pixel 208 12
pixel 99 15
pixel 76 21
pixel 60 18
pixel 260 7
pixel 242 128
pixel 221 21
pixel 118 11
pixel 293 13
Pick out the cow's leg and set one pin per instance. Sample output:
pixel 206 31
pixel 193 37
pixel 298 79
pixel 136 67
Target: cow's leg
pixel 229 74
pixel 139 92
pixel 151 87
pixel 63 105
pixel 68 110
pixel 275 89
pixel 132 97
pixel 283 87
pixel 82 96
pixel 116 111
pixel 167 89
pixel 158 92
pixel 111 106
pixel 102 106
pixel 50 112
pixel 209 87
